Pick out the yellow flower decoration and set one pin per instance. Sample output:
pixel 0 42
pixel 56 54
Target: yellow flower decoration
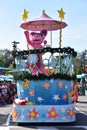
pixel 25 15
pixel 64 97
pixel 14 114
pixel 69 93
pixel 25 84
pixel 71 112
pixel 46 85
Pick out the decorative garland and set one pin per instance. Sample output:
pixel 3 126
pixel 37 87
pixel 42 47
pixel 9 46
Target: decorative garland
pixel 28 76
pixel 67 50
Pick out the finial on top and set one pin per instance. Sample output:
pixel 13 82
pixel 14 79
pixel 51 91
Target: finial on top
pixel 25 15
pixel 43 11
pixel 61 13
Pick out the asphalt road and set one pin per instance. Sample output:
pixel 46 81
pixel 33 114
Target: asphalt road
pixel 80 124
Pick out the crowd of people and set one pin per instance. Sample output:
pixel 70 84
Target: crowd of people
pixel 7 92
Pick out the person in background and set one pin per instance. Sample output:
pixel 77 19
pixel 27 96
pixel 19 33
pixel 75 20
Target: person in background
pixel 2 100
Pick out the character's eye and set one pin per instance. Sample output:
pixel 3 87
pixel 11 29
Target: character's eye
pixel 33 34
pixel 42 35
pixel 39 35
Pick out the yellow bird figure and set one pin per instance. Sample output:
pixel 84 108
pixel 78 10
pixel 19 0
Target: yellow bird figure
pixel 25 15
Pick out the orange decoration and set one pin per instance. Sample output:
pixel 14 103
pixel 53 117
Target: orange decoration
pixel 75 92
pixel 64 97
pixel 31 92
pixel 47 70
pixel 60 84
pixel 46 85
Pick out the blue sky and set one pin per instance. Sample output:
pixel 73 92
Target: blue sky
pixel 74 35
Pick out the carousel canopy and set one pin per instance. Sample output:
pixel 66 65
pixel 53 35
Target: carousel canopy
pixel 43 22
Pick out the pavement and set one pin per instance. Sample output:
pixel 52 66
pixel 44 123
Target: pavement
pixel 82 104
pixel 4 113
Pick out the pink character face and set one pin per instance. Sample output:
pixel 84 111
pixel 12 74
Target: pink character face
pixel 37 38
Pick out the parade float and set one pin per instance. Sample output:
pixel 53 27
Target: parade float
pixel 44 74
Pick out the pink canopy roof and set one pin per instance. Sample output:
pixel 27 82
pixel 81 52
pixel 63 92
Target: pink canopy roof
pixel 43 22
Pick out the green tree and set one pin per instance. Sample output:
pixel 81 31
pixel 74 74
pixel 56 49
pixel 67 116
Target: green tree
pixel 5 58
pixel 80 61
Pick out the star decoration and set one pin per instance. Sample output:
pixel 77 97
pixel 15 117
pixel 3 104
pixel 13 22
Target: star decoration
pixel 18 84
pixel 63 118
pixel 56 97
pixel 66 87
pixel 51 80
pixel 72 84
pixel 62 109
pixel 22 109
pixel 22 117
pixel 18 93
pixel 25 15
pixel 40 99
pixel 61 13
pixel 22 91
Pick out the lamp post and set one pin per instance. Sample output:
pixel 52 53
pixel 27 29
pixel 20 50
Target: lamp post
pixel 14 52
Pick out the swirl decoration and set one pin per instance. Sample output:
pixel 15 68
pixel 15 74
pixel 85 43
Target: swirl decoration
pixel 52 62
pixel 66 63
pixel 32 59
